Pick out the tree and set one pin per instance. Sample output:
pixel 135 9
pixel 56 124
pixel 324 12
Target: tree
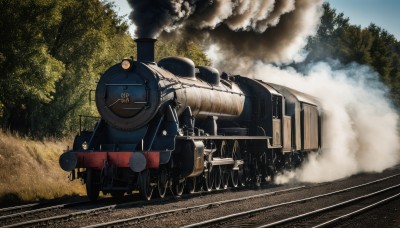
pixel 325 43
pixel 51 57
pixel 182 47
pixel 337 39
pixel 354 45
pixel 28 71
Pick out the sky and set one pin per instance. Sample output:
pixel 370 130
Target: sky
pixel 383 13
pixel 123 9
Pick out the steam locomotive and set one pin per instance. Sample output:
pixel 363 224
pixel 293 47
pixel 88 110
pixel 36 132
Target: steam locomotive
pixel 174 125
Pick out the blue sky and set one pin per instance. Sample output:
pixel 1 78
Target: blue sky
pixel 124 9
pixel 383 13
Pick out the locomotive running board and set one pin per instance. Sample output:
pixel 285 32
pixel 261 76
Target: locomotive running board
pixel 223 137
pixel 231 137
pixel 227 161
pixel 222 161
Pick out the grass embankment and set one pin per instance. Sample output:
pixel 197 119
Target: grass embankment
pixel 29 170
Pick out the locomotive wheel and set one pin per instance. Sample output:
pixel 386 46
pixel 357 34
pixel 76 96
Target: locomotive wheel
pixel 235 156
pixel 92 184
pixel 242 179
pixel 225 177
pixel 178 186
pixel 224 170
pixel 241 172
pixel 145 187
pixel 162 183
pixel 217 175
pixel 271 173
pixel 199 184
pixel 191 185
pixel 258 180
pixel 208 180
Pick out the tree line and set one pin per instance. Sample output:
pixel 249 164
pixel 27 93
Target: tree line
pixel 51 55
pixel 337 39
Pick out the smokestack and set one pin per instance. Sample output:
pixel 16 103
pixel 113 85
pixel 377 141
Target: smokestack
pixel 145 49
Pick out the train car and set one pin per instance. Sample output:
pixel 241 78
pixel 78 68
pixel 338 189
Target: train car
pixel 174 125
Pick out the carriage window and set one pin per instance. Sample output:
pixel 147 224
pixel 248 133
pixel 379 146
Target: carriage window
pixel 277 107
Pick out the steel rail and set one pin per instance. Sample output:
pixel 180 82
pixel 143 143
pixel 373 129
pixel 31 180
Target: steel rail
pixel 254 211
pixel 321 210
pixel 61 217
pixel 111 207
pixel 77 214
pixel 6 209
pixel 24 213
pixel 73 215
pixel 165 213
pixel 357 212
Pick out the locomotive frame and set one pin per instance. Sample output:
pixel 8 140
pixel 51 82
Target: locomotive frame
pixel 173 125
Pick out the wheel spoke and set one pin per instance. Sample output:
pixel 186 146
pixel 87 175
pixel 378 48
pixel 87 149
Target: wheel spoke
pixel 162 183
pixel 191 185
pixel 217 175
pixel 178 186
pixel 208 180
pixel 235 156
pixel 224 169
pixel 145 187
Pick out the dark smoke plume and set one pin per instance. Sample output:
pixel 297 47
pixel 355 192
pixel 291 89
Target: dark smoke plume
pixel 268 30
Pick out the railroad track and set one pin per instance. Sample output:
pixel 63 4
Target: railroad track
pixel 216 222
pixel 14 214
pixel 16 209
pixel 320 216
pixel 39 213
pixel 341 211
pixel 138 219
pixel 28 217
pixel 66 217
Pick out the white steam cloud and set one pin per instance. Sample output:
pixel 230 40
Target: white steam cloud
pixel 360 125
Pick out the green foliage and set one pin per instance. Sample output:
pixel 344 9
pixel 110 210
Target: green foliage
pixel 51 55
pixel 185 48
pixel 337 39
pixel 357 45
pixel 325 42
pixel 90 39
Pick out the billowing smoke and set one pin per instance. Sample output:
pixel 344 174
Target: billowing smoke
pixel 360 131
pixel 273 31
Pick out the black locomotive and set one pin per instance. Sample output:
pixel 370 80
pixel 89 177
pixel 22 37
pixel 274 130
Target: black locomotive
pixel 174 125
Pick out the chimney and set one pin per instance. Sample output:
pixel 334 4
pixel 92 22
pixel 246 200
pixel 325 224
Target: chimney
pixel 145 49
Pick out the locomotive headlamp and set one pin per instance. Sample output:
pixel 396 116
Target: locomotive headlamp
pixel 84 145
pixel 126 64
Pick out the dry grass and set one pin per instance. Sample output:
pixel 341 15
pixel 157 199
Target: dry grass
pixel 29 170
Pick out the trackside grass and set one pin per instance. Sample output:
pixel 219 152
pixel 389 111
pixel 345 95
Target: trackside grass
pixel 29 170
